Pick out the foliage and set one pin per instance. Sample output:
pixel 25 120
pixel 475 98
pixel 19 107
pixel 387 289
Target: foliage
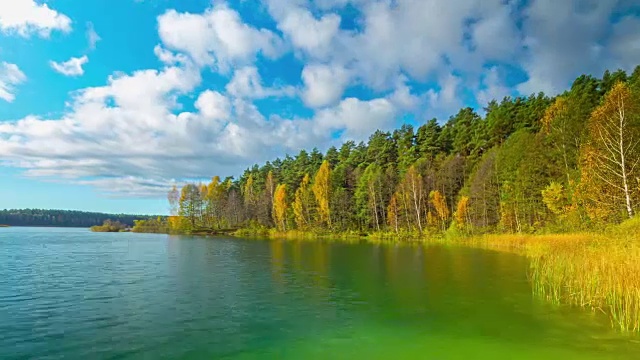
pixel 280 207
pixel 530 164
pixel 109 226
pixel 159 225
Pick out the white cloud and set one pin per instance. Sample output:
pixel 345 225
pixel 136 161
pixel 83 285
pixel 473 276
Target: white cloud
pixel 217 37
pixel 312 35
pixel 26 17
pixel 168 57
pixel 357 118
pixel 625 43
pixel 247 83
pixel 324 84
pixel 10 75
pixel 446 101
pixel 130 133
pixel 562 38
pixel 92 36
pixel 494 88
pixel 495 35
pixel 213 105
pixel 71 67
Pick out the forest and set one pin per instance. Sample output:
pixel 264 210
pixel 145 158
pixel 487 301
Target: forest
pixel 62 218
pixel 528 165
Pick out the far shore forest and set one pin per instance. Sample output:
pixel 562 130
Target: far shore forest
pixel 531 164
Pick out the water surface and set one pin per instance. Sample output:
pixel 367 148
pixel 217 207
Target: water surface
pixel 73 294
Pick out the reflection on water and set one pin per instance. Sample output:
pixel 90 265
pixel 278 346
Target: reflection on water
pixel 69 293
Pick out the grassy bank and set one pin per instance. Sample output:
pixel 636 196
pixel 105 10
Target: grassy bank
pixel 597 271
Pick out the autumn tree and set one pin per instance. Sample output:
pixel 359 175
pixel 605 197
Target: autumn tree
pixel 322 190
pixel 462 212
pixel 440 205
pixel 280 207
pixel 610 157
pixel 302 203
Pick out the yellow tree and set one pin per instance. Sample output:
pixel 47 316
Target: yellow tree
pixel 250 198
pixel 280 207
pixel 553 197
pixel 322 191
pixel 462 211
pixel 214 203
pixel 301 203
pixel 610 158
pixel 440 204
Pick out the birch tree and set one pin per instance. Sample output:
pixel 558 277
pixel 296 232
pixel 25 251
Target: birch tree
pixel 611 156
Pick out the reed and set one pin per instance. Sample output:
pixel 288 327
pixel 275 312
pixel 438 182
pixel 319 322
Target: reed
pixel 596 271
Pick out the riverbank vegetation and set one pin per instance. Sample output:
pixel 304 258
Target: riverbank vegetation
pixel 599 271
pixel 535 165
pixel 109 226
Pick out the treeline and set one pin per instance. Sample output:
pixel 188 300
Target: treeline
pixel 530 164
pixel 63 218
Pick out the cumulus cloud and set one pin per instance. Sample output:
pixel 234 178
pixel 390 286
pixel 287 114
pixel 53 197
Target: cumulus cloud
pixel 134 135
pixel 246 82
pixel 213 105
pixel 217 37
pixel 493 87
pixel 26 17
pixel 356 118
pixel 444 101
pixel 324 84
pixel 10 76
pixel 168 57
pixel 306 32
pixel 562 40
pixel 71 67
pixel 625 43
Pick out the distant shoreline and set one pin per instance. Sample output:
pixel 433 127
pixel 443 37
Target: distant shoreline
pixel 44 226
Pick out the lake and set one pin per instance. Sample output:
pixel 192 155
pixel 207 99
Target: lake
pixel 73 294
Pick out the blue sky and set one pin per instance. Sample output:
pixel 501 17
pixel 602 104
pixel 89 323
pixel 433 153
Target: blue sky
pixel 105 104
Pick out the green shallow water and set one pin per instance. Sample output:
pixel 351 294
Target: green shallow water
pixel 73 294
